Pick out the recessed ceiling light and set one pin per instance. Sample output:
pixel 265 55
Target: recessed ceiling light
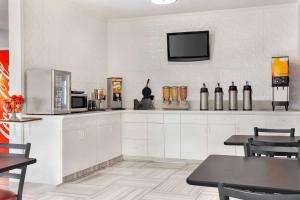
pixel 163 1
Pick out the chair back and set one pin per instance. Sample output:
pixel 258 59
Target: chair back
pixel 227 192
pixel 271 149
pixel 25 148
pixel 257 130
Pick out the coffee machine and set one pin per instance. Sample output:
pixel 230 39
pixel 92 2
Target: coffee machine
pixel 280 82
pixel 114 93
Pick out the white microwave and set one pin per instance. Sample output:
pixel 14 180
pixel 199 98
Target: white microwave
pixel 79 103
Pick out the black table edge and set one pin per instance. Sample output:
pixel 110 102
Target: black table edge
pixel 242 187
pixel 233 144
pixel 29 162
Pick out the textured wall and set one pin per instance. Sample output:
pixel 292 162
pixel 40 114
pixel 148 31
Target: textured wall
pixel 61 35
pixel 242 44
pixel 3 39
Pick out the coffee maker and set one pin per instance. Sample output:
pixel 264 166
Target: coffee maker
pixel 280 82
pixel 114 93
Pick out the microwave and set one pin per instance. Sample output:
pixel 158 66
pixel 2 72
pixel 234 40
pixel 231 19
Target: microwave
pixel 79 103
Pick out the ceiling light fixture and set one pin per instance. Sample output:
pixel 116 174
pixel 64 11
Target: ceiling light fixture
pixel 163 2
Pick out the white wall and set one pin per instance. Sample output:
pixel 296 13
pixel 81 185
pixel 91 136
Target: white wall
pixel 4 24
pixel 61 35
pixel 3 39
pixel 242 44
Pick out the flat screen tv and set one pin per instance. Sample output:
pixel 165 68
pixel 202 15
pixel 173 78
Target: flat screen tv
pixel 188 46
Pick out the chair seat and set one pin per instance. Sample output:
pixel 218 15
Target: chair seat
pixel 7 195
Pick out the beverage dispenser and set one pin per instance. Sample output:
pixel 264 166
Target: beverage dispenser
pixel 114 93
pixel 280 82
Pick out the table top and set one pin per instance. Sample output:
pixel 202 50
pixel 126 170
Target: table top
pixel 240 140
pixel 10 163
pixel 254 173
pixel 22 120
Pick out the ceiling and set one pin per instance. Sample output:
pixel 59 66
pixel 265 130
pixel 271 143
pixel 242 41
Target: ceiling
pixel 112 9
pixel 4 15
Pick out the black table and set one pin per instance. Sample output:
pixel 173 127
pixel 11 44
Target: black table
pixel 258 174
pixel 10 163
pixel 240 140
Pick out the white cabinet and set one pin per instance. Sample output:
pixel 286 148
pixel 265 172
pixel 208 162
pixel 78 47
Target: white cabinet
pixel 134 137
pixel 245 126
pixel 220 128
pixel 156 140
pixel 136 131
pixel 172 140
pixel 193 141
pixel 217 135
pixel 88 147
pixel 88 141
pixel 172 135
pixel 109 138
pixel 78 143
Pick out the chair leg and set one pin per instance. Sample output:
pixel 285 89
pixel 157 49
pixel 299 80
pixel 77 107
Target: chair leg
pixel 21 183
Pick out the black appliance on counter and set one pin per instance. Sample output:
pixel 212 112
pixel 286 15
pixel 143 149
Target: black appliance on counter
pixel 147 102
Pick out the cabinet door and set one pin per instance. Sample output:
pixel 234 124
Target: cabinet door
pixel 88 147
pixel 245 126
pixel 134 131
pixel 115 139
pixel 109 142
pixel 134 148
pixel 156 147
pixel 172 140
pixel 217 134
pixel 193 141
pixel 134 139
pixel 72 156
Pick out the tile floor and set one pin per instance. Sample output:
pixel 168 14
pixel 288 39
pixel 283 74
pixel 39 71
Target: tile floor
pixel 127 180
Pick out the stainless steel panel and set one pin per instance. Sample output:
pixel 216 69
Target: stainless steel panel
pixel 40 89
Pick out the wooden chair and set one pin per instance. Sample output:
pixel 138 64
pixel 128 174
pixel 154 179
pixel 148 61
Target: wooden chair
pixel 271 149
pixel 274 131
pixel 226 192
pixel 5 194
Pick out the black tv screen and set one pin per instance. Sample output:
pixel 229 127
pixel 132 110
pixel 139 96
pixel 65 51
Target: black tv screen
pixel 188 46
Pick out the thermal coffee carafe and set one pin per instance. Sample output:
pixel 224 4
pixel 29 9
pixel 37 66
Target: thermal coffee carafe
pixel 233 98
pixel 219 98
pixel 204 98
pixel 247 97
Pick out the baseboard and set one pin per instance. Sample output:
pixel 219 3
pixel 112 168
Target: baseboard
pixel 90 170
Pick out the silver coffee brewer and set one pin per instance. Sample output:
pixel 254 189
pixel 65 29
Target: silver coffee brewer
pixel 247 97
pixel 204 98
pixel 233 97
pixel 99 98
pixel 219 98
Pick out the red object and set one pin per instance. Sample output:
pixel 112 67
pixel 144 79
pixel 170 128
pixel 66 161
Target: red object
pixel 7 195
pixel 4 88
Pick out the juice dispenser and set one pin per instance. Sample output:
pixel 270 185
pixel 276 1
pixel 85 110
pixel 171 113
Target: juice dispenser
pixel 280 82
pixel 114 93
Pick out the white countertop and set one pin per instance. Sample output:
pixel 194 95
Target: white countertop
pixel 210 112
